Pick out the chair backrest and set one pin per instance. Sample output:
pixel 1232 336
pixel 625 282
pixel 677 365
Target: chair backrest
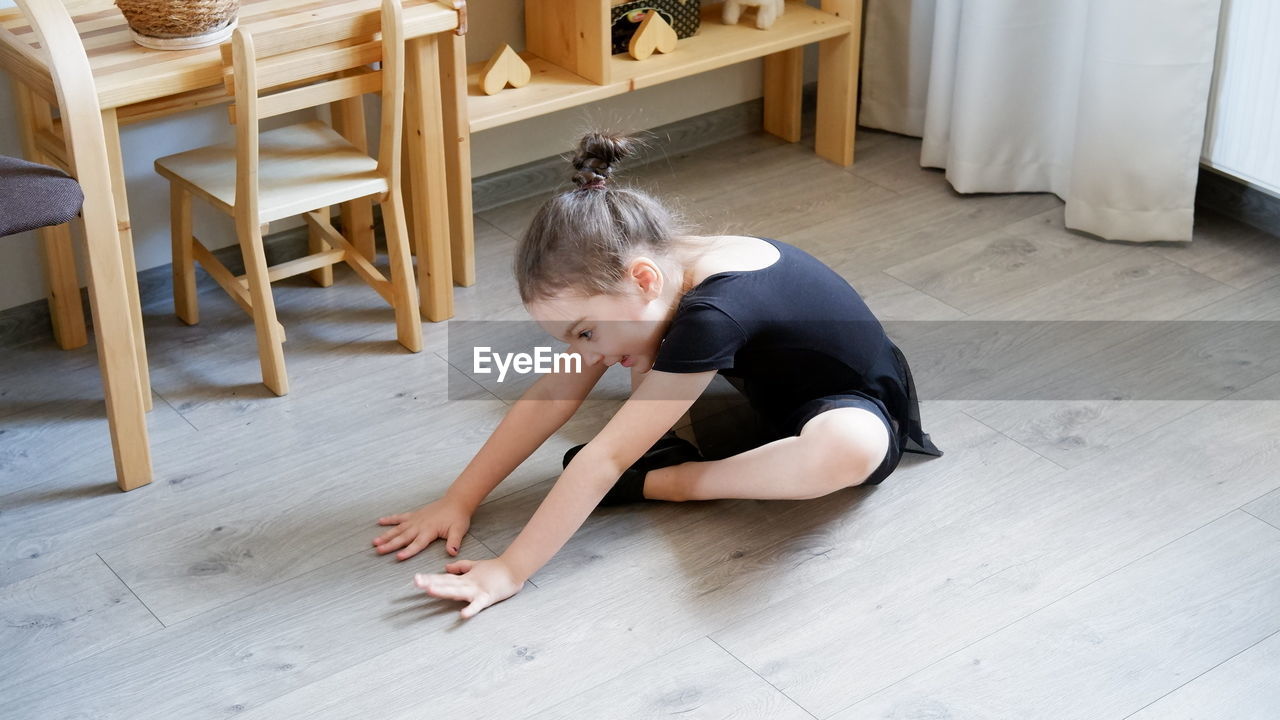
pixel 86 159
pixel 331 59
pixel 81 114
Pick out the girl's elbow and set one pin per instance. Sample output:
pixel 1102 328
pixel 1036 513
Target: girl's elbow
pixel 597 462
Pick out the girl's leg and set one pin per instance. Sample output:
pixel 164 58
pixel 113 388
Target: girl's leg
pixel 836 449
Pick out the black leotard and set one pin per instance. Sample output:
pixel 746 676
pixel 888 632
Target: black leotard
pixel 792 333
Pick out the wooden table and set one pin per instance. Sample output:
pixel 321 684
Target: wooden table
pixel 135 84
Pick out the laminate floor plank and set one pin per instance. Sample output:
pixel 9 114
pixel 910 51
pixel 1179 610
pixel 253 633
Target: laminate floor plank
pixel 677 572
pixel 1115 646
pixel 44 439
pixel 1227 251
pixel 1266 508
pixel 699 680
pixel 1242 688
pixel 1004 264
pixel 1139 285
pixel 893 161
pixel 59 617
pixel 1073 432
pixel 1034 546
pixel 248 652
pixel 54 522
pixel 1258 302
pixel 237 549
pixel 916 225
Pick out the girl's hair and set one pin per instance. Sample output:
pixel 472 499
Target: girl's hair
pixel 581 239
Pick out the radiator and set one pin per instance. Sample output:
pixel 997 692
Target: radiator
pixel 1242 137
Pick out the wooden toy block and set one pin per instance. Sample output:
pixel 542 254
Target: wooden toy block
pixel 653 34
pixel 503 69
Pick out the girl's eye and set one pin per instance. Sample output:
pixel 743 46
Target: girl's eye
pixel 585 334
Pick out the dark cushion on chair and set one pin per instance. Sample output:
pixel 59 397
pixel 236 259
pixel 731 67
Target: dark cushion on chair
pixel 33 196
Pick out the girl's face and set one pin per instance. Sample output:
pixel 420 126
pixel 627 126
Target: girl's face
pixel 625 327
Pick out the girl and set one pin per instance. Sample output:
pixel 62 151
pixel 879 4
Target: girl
pixel 605 269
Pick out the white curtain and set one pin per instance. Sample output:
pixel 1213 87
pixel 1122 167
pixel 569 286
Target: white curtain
pixel 1101 102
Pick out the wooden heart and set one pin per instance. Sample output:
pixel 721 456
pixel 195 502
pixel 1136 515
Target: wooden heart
pixel 653 34
pixel 503 69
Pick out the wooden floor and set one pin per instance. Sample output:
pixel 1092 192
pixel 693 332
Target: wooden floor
pixel 1074 558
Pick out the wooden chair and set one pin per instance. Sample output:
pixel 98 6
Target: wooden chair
pixel 85 158
pixel 301 169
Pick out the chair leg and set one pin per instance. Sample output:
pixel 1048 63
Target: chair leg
pixel 357 215
pixel 65 311
pixel 270 338
pixel 405 292
pixel 113 333
pixel 315 243
pixel 111 132
pixel 185 303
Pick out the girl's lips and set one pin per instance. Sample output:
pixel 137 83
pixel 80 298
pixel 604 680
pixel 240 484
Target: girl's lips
pixel 626 361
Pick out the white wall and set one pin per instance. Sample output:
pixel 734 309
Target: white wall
pixel 491 23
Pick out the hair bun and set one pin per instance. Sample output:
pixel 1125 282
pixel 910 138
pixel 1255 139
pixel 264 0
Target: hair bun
pixel 598 156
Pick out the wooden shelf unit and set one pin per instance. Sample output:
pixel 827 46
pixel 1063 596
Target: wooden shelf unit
pixel 567 74
pixel 568 51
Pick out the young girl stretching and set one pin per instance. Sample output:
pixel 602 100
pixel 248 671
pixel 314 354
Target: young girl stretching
pixel 604 269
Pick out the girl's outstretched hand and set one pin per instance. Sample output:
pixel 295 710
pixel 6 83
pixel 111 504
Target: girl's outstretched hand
pixel 418 529
pixel 481 583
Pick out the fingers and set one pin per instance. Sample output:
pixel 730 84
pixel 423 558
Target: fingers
pixel 446 586
pixel 384 537
pixel 459 567
pixel 452 587
pixel 399 540
pixel 481 602
pixel 390 520
pixel 423 540
pixel 455 540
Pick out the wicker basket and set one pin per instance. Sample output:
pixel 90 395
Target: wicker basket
pixel 179 24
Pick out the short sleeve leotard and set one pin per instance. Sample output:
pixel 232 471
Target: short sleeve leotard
pixel 798 340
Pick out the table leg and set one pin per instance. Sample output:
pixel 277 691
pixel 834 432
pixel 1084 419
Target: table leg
pixel 65 310
pixel 838 86
pixel 357 215
pixel 783 93
pixel 115 160
pixel 428 201
pixel 457 148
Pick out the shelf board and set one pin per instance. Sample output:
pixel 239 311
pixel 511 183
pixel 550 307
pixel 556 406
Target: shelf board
pixel 550 88
pixel 716 45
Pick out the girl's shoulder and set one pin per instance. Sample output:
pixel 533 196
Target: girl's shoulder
pixel 776 280
pixel 728 254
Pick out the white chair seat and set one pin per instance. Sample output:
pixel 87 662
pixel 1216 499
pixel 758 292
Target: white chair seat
pixel 301 167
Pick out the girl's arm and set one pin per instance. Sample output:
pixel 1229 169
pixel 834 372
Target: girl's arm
pixel 653 409
pixel 542 410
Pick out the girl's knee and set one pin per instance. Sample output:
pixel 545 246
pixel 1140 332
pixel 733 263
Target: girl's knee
pixel 848 445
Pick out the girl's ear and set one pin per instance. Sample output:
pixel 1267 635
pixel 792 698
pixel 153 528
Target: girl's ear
pixel 647 277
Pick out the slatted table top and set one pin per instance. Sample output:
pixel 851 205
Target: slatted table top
pixel 127 73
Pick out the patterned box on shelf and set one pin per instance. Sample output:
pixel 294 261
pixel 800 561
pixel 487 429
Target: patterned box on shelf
pixel 682 15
